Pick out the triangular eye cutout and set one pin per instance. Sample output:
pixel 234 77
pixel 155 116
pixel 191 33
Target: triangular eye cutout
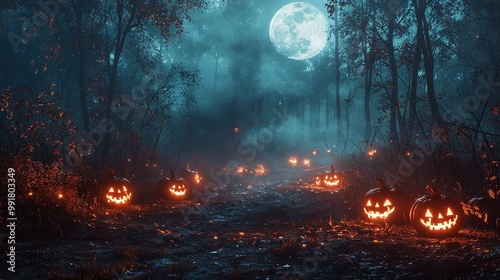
pixel 124 188
pixel 387 202
pixel 111 190
pixel 428 213
pixel 369 203
pixel 449 213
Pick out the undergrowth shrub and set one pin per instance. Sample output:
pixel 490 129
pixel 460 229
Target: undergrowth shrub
pixel 46 197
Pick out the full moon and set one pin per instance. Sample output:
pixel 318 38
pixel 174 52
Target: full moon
pixel 299 30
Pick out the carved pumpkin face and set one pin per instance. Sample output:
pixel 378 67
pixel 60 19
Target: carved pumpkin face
pixel 436 215
pixel 379 211
pixel 482 211
pixel 441 222
pixel 318 178
pixel 385 205
pixel 118 192
pixel 178 190
pixel 172 188
pixel 192 177
pixel 332 179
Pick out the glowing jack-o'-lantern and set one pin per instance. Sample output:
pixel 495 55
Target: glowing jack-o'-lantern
pixel 192 177
pixel 318 178
pixel 332 179
pixel 260 169
pixel 172 188
pixel 483 210
pixel 436 215
pixel 243 171
pixel 118 191
pixel 293 161
pixel 385 205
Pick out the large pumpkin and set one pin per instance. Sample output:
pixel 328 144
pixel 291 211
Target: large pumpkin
pixel 172 188
pixel 436 215
pixel 483 210
pixel 385 205
pixel 332 179
pixel 192 177
pixel 118 191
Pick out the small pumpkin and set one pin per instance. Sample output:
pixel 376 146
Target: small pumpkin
pixel 483 210
pixel 385 205
pixel 172 188
pixel 436 215
pixel 118 191
pixel 332 179
pixel 192 177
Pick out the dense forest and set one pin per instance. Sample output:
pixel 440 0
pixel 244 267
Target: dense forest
pixel 404 90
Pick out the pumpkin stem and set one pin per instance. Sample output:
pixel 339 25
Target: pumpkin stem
pixel 172 174
pixel 381 184
pixel 432 191
pixel 332 168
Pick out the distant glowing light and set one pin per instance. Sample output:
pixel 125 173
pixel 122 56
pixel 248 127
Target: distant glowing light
pixel 372 153
pixel 260 169
pixel 306 162
pixel 240 169
pixel 293 161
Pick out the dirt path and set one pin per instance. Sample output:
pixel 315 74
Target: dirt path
pixel 255 228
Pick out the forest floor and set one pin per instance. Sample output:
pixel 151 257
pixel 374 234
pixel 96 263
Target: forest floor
pixel 255 228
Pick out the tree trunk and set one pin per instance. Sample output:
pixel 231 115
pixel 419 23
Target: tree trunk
pixel 81 65
pixel 429 69
pixel 121 36
pixel 369 61
pixel 337 78
pixel 393 134
pixel 417 57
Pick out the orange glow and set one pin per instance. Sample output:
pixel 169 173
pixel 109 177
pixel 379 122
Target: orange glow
pixel 197 178
pixel 59 196
pixel 240 169
pixel 315 152
pixel 293 161
pixel 236 129
pixel 306 162
pixel 329 151
pixel 260 169
pixel 30 193
pixel 372 152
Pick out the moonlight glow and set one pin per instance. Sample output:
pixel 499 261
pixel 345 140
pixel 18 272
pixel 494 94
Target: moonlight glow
pixel 299 30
